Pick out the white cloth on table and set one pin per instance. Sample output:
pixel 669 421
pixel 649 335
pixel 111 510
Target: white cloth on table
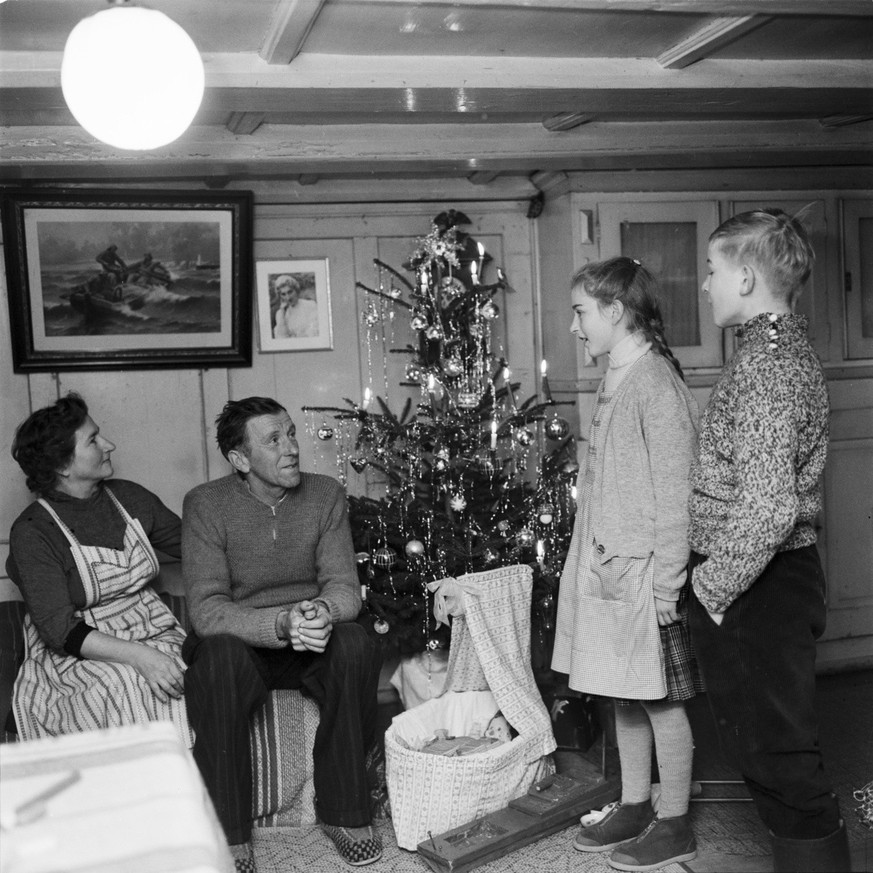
pixel 137 805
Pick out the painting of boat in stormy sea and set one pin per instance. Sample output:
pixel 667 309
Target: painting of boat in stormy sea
pixel 130 278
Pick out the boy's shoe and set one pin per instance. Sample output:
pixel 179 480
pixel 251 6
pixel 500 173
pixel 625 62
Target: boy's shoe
pixel 625 821
pixel 356 846
pixel 664 841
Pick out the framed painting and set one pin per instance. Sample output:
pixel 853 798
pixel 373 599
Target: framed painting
pixel 294 305
pixel 116 280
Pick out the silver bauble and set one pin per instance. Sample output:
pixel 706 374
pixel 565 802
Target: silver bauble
pixel 525 537
pixel 453 367
pixel 414 548
pixel 523 436
pixel 384 558
pixel 546 513
pixel 557 428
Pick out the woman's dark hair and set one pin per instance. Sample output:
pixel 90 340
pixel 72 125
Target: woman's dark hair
pixel 230 426
pixel 46 441
pixel 630 282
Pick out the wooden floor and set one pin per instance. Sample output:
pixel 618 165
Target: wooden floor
pixel 736 841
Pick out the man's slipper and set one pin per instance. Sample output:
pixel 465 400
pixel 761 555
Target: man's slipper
pixel 355 850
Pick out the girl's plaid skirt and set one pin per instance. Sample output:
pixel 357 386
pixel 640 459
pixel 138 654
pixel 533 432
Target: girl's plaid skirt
pixel 684 679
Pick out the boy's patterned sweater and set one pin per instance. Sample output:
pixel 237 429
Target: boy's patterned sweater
pixel 762 449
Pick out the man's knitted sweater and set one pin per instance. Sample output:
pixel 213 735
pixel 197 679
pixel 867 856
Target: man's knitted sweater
pixel 762 449
pixel 243 562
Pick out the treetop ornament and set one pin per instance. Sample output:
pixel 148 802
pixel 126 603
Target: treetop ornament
pixel 460 479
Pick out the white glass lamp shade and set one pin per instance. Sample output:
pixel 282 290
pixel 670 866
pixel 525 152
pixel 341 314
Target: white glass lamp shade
pixel 132 77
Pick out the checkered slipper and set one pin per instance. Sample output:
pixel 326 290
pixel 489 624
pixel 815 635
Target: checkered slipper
pixel 356 852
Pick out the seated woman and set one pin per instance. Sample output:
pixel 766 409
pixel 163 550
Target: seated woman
pixel 101 647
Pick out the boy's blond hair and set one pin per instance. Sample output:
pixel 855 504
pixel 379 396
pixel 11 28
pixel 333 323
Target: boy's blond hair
pixel 775 243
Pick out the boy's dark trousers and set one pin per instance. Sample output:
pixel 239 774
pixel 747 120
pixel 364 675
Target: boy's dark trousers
pixel 759 668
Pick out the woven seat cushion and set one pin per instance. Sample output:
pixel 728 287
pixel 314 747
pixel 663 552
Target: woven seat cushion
pixel 282 733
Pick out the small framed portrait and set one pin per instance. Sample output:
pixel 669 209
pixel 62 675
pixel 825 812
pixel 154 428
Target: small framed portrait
pixel 294 305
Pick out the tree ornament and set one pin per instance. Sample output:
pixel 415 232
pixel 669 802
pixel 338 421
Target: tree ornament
pixel 362 557
pixel 324 432
pixel 453 367
pixel 503 527
pixel 525 537
pixel 371 317
pixel 359 464
pixel 571 468
pixel 394 292
pixel 489 310
pixel 433 645
pixel 381 626
pixel 490 556
pixel 468 399
pixel 546 513
pixel 458 502
pixel 523 436
pixel 440 465
pixel 451 286
pixel 433 332
pixel 413 372
pixel 557 428
pixel 418 321
pixel 414 548
pixel 384 558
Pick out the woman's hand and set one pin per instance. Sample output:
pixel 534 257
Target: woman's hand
pixel 667 611
pixel 164 674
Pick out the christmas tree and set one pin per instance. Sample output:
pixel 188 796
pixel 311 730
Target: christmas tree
pixel 471 478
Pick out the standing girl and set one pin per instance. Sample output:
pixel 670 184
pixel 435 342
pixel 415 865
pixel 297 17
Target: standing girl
pixel 622 627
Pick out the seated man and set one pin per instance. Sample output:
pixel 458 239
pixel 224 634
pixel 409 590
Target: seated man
pixel 270 577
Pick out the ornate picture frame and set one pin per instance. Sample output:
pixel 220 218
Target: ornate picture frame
pixel 113 280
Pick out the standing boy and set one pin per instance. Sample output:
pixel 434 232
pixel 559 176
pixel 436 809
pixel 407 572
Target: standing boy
pixel 759 590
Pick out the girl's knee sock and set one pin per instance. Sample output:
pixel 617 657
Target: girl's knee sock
pixel 675 750
pixel 634 734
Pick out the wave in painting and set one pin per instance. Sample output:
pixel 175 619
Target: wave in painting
pixel 77 301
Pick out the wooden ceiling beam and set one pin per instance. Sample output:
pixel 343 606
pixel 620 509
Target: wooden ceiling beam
pixel 843 120
pixel 405 76
pixel 566 121
pixel 712 36
pixel 244 123
pixel 317 150
pixel 482 106
pixel 854 8
pixel 292 20
pixel 482 177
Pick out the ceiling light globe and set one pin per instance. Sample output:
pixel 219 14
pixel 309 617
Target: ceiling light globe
pixel 132 77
